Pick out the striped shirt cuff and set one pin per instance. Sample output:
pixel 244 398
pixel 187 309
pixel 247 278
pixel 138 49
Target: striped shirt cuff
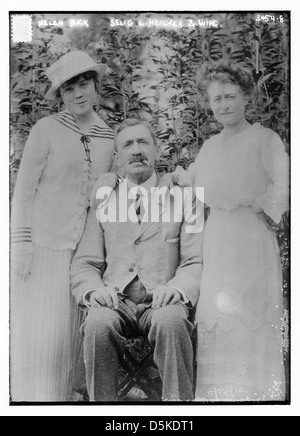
pixel 21 234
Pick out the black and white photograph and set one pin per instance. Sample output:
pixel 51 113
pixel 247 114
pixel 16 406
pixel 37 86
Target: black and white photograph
pixel 150 209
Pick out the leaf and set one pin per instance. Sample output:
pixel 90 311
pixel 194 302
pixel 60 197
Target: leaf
pixel 263 79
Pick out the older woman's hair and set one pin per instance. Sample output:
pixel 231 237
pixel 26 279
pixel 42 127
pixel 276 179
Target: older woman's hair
pixel 225 72
pixel 131 122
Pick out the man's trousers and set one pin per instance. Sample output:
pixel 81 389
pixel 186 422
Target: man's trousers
pixel 169 332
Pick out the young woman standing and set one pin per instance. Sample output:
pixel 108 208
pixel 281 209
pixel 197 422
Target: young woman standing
pixel 63 157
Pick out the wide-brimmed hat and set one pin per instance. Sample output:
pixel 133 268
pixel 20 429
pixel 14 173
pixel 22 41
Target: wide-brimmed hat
pixel 70 65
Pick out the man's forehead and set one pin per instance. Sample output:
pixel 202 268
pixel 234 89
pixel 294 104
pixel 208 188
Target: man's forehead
pixel 133 132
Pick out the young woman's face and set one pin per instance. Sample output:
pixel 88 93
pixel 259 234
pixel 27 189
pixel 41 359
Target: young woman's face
pixel 228 103
pixel 79 97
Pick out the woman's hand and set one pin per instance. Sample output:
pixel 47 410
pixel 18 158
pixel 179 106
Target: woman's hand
pixel 179 177
pixel 21 258
pixel 110 180
pixel 256 208
pixel 269 223
pixel 166 181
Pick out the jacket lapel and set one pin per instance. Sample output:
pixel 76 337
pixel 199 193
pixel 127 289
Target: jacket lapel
pixel 134 229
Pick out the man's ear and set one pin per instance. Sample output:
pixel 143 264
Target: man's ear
pixel 117 157
pixel 117 164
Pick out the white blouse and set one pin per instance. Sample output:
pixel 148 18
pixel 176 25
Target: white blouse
pixel 252 169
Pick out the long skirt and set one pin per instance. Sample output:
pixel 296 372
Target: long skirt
pixel 44 330
pixel 240 310
pixel 240 365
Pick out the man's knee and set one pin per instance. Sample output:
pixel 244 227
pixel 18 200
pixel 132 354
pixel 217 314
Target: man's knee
pixel 171 317
pixel 101 321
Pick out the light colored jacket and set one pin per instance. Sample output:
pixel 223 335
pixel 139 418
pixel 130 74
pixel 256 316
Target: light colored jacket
pixel 51 196
pixel 160 253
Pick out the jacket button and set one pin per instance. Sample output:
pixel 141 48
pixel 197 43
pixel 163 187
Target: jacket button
pixel 131 269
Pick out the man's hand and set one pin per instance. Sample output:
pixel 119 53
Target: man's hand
pixel 106 297
pixel 164 295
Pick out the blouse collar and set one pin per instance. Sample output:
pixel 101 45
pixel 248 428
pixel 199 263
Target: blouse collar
pixel 96 129
pixel 242 132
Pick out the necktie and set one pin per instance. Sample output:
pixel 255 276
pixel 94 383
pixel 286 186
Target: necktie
pixel 138 207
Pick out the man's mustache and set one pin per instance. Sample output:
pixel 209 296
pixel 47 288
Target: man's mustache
pixel 140 158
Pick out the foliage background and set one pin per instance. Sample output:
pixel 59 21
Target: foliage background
pixel 152 76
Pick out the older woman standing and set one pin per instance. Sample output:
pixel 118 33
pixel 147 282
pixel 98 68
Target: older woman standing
pixel 64 155
pixel 244 172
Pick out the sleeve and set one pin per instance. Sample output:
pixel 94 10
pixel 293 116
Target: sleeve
pixel 88 263
pixel 85 299
pixel 32 164
pixel 275 162
pixel 188 274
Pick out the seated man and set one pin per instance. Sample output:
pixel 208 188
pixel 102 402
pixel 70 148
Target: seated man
pixel 137 276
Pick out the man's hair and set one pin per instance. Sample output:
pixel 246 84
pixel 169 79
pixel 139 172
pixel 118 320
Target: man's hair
pixel 225 72
pixel 88 75
pixel 130 122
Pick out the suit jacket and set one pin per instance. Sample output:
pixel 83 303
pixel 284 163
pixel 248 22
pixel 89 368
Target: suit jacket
pixel 160 253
